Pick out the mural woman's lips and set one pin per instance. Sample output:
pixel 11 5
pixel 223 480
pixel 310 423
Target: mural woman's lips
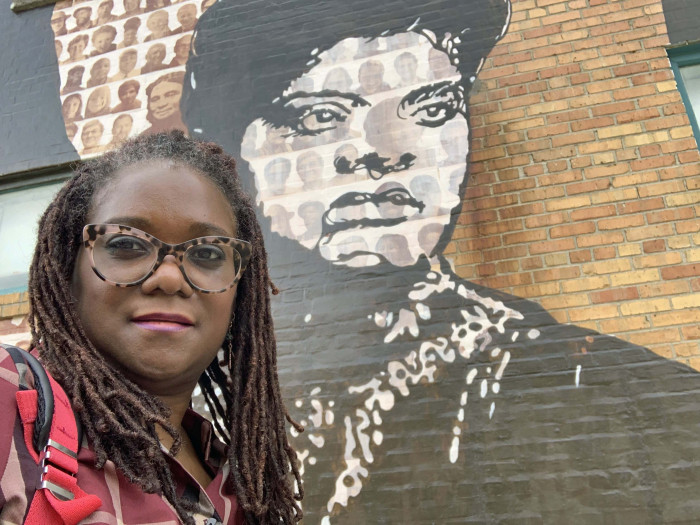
pixel 398 197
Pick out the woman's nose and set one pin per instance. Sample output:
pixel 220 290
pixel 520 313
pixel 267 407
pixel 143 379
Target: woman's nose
pixel 168 278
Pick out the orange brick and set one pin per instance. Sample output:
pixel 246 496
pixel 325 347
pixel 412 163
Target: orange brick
pixel 570 230
pixel 600 239
pixel 681 272
pixel 607 252
pixel 580 256
pixel 615 295
pixel 551 246
pixel 657 245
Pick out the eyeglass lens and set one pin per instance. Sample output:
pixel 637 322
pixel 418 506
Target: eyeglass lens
pixel 126 259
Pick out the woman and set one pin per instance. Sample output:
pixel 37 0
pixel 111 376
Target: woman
pixel 98 102
pixel 426 398
pixel 72 108
pixel 129 331
pixel 76 49
pixel 164 103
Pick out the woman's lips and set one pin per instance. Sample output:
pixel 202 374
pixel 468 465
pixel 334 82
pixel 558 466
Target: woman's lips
pixel 162 322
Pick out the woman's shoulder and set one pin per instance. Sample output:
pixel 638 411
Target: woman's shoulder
pixel 9 376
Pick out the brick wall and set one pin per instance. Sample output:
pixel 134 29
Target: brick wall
pixel 585 176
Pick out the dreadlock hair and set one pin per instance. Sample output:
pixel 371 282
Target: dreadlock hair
pixel 120 417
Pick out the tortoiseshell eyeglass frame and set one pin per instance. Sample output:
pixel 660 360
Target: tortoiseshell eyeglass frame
pixel 92 231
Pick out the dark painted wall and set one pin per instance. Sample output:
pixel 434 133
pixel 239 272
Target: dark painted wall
pixel 31 126
pixel 683 20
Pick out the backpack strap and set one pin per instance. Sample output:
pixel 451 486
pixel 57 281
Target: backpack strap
pixel 51 435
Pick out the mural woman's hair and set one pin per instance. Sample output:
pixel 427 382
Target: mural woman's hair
pixel 245 55
pixel 118 416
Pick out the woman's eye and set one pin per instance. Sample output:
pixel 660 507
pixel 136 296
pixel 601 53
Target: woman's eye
pixel 206 255
pixel 127 247
pixel 434 115
pixel 315 120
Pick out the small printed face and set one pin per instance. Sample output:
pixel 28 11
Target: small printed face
pixel 155 54
pixel 71 107
pixel 58 24
pixel 122 128
pixel 128 96
pixel 102 41
pixel 158 23
pixel 370 155
pixel 187 16
pixel 130 36
pixel 91 135
pixel 406 66
pixel 127 62
pixel 76 48
pixel 82 16
pixel 131 5
pixel 105 9
pixel 164 101
pixel 182 47
pixel 97 101
pixel 100 70
pixel 161 334
pixel 75 76
pixel 59 48
pixel 371 76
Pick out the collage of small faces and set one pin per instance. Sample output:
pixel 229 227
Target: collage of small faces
pixel 122 66
pixel 368 152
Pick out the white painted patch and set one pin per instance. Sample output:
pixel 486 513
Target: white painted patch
pixel 578 375
pixel 496 387
pixel 503 365
pixel 471 375
pixel 533 334
pixel 307 318
pixel 316 391
pixel 493 407
pixel 454 450
pixel 312 460
pixel 377 437
pixel 317 441
pixel 514 336
pixel 423 311
pixel 463 399
pixel 460 415
pixel 484 388
pixel 298 403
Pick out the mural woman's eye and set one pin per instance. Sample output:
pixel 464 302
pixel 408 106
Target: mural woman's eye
pixel 431 106
pixel 433 115
pixel 317 119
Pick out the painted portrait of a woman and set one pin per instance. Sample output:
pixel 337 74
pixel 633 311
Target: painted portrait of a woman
pixel 426 398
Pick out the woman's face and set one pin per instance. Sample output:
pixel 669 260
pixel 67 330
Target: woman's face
pixel 164 100
pixel 396 134
pixel 163 355
pixel 72 106
pixel 127 61
pixel 97 101
pixel 75 50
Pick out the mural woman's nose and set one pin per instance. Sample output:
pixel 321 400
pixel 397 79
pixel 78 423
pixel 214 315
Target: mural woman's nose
pixel 389 135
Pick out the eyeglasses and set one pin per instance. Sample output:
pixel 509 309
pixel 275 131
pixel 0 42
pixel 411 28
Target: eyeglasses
pixel 124 256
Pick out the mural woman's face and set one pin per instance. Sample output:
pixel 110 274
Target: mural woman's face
pixel 376 151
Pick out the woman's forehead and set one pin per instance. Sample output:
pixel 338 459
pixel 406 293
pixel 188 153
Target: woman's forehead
pixel 347 50
pixel 163 190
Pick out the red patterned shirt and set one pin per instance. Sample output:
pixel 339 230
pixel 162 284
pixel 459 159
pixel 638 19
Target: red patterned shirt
pixel 122 502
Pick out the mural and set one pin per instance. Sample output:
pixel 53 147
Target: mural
pixel 426 398
pixel 121 67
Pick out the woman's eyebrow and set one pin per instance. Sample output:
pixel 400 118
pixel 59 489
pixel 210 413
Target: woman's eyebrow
pixel 356 100
pixel 429 91
pixel 197 229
